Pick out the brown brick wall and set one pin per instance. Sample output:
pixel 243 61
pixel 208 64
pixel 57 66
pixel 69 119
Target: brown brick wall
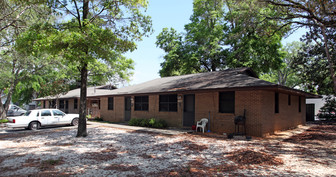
pixel 115 115
pixel 288 116
pixel 71 106
pixel 259 105
pixel 172 118
pixel 260 116
pixel 224 122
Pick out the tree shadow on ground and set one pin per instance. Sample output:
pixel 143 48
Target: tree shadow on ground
pixel 136 153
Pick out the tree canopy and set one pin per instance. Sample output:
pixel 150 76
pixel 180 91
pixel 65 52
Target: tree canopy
pixel 15 67
pixel 319 17
pixel 223 34
pixel 92 41
pixel 286 74
pixel 312 66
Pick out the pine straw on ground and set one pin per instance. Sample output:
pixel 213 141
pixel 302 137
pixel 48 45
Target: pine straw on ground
pixel 320 132
pixel 126 153
pixel 250 157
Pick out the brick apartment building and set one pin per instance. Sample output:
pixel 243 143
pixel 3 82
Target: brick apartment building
pixel 182 100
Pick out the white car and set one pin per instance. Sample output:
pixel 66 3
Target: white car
pixel 34 119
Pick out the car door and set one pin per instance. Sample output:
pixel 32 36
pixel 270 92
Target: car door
pixel 46 117
pixel 59 117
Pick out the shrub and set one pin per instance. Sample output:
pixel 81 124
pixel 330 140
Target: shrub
pixel 3 121
pixel 135 122
pixel 160 124
pixel 328 110
pixel 144 123
pixel 99 119
pixel 154 123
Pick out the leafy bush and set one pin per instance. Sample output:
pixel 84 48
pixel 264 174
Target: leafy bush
pixel 144 123
pixel 328 111
pixel 160 124
pixel 154 123
pixel 135 122
pixel 151 122
pixel 99 119
pixel 3 121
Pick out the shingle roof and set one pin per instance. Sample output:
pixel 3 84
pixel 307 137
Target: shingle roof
pixel 233 78
pixel 91 92
pixel 226 79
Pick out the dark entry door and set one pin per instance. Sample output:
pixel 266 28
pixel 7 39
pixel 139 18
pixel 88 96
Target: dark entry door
pixel 127 108
pixel 189 110
pixel 310 112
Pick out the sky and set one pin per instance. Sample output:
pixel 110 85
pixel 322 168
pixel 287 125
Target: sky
pixel 147 57
pixel 166 14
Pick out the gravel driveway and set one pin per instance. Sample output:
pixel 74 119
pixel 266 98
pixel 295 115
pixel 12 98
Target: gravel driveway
pixel 107 151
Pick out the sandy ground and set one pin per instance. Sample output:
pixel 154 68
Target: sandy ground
pixel 306 151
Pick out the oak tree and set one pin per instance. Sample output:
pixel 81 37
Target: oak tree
pixel 223 34
pixel 92 33
pixel 319 17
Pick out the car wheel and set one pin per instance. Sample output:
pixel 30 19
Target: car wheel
pixel 34 126
pixel 74 122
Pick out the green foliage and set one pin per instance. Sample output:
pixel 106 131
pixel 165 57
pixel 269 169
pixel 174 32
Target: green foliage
pixel 312 66
pixel 286 75
pixel 328 110
pixel 153 123
pixel 98 119
pixel 319 19
pixel 135 122
pixel 19 71
pixel 92 42
pixel 160 124
pixel 3 121
pixel 254 38
pixel 221 35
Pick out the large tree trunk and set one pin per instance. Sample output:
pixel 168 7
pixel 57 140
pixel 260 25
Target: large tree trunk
pixel 4 107
pixel 330 61
pixel 82 108
pixel 82 132
pixel 1 107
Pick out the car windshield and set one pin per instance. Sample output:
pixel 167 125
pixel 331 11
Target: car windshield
pixel 27 113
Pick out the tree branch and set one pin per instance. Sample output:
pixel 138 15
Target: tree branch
pixel 94 17
pixel 67 9
pixel 78 15
pixel 17 17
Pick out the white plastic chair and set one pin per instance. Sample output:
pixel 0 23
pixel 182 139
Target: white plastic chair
pixel 201 124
